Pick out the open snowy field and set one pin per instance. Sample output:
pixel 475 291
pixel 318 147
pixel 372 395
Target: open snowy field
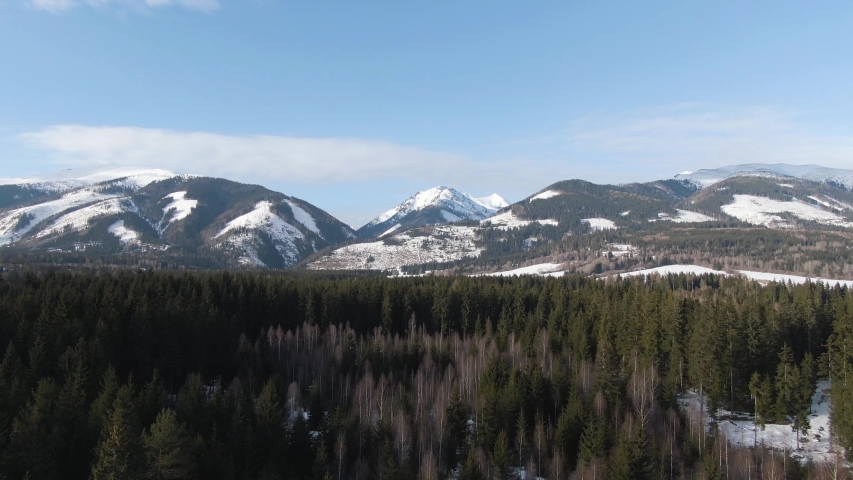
pixel 506 221
pixel 764 211
pixel 539 269
pixel 684 216
pixel 673 270
pixel 598 224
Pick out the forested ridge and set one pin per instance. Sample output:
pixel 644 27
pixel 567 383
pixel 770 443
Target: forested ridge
pixel 247 375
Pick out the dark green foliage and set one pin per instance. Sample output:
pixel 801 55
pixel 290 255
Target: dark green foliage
pixel 232 376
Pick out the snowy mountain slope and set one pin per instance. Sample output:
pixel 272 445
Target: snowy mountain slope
pixel 65 180
pixel 434 206
pixel 706 177
pixel 443 243
pixel 766 211
pixel 191 220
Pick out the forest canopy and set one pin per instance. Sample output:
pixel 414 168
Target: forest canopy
pixel 246 375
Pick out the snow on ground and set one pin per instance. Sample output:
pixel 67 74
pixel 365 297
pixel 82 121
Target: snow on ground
pixel 449 217
pixel 824 203
pixel 262 218
pixel 493 201
pixel 134 177
pixel 304 218
pixel 786 185
pixel 182 205
pixel 618 250
pixel 539 269
pixel 79 219
pixel 673 270
pixel 545 195
pixel 390 230
pixel 625 214
pixel 685 216
pixel 124 234
pixel 506 221
pixel 598 224
pixel 740 429
pixel 446 243
pixel 11 222
pixel 761 211
pixel 795 279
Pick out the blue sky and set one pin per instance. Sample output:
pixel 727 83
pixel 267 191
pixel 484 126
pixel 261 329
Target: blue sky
pixel 354 106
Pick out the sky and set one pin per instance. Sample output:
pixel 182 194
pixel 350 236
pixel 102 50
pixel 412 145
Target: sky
pixel 355 106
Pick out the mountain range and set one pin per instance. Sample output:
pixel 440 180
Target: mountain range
pixel 127 216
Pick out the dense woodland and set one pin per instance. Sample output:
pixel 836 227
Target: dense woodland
pixel 279 376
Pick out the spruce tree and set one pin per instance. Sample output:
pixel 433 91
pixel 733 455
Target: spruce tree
pixel 117 456
pixel 501 455
pixel 168 448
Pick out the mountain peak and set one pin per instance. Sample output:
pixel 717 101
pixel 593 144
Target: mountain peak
pixel 441 204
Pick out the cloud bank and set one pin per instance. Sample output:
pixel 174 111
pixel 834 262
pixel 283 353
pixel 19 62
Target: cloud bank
pixel 274 158
pixel 60 6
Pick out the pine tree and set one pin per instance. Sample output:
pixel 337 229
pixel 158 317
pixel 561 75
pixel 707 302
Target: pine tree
pixel 501 455
pixel 471 469
pixel 117 454
pixel 168 448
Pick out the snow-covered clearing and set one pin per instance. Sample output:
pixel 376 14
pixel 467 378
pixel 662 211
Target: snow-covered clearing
pixel 618 250
pixel 795 279
pixel 446 243
pixel 124 234
pixel 761 211
pixel 539 269
pixel 12 226
pixel 685 216
pixel 598 224
pixel 79 219
pixel 740 430
pixel 786 185
pixel 824 203
pixel 182 206
pixel 506 221
pixel 304 218
pixel 625 214
pixel 674 270
pixel 545 195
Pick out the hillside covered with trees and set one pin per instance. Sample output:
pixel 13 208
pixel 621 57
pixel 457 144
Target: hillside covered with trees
pixel 280 376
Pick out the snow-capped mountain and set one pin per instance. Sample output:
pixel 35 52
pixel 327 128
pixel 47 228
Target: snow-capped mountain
pixel 434 206
pixel 815 173
pixel 191 220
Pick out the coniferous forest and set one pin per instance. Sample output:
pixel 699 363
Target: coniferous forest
pixel 122 375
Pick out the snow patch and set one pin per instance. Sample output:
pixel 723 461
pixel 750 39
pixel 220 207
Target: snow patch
pixel 540 269
pixel 303 217
pixel 506 221
pixel 459 204
pixel 795 279
pixel 124 234
pixel 493 201
pixel 673 270
pixel 545 195
pixel 761 211
pixel 685 216
pixel 599 224
pixel 740 429
pixel 182 206
pixel 390 230
pixel 449 217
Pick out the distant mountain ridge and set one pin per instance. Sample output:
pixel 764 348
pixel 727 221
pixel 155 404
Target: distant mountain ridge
pixel 706 177
pixel 437 205
pixel 157 214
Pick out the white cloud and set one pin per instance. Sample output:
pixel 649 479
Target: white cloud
pixel 258 157
pixel 693 136
pixel 59 6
